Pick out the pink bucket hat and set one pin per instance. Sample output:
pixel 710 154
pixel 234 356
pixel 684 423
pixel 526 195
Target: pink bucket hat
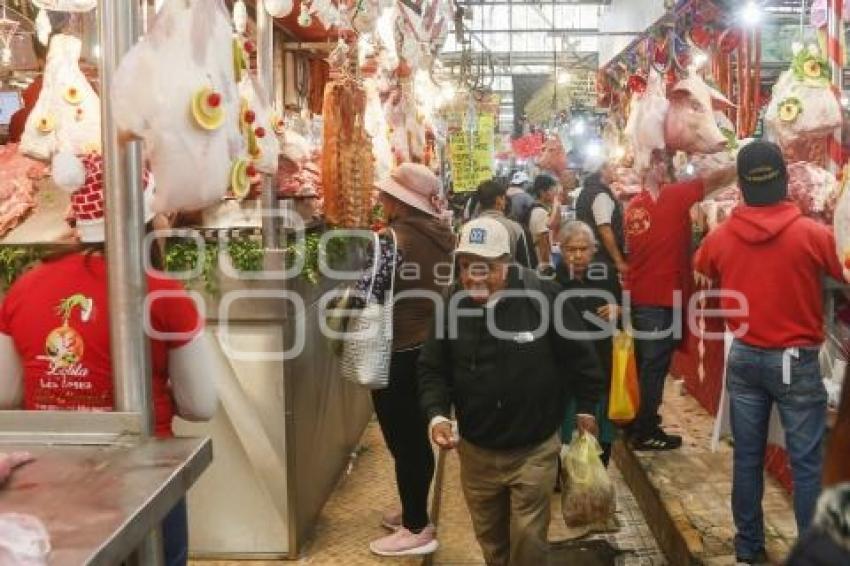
pixel 415 185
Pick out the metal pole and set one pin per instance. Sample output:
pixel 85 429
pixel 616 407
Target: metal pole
pixel 835 33
pixel 265 74
pixel 122 175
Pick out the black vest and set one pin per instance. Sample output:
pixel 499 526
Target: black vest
pixel 584 212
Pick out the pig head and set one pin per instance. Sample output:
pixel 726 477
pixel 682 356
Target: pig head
pixel 689 125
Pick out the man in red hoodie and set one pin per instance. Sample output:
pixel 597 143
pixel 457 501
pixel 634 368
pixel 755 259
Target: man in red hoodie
pixel 770 263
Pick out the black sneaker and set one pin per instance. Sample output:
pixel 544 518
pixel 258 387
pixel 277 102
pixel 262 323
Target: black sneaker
pixel 658 440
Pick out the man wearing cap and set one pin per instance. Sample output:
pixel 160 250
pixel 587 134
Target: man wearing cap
pixel 504 356
pixel 776 315
pixel 518 197
pixel 658 240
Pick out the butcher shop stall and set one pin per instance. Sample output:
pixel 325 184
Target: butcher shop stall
pixel 265 134
pixel 760 71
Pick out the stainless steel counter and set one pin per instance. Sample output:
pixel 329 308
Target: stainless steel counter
pixel 285 431
pixel 99 502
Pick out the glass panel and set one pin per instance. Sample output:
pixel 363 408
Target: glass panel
pixel 451 45
pixel 496 17
pixel 529 17
pixel 498 42
pixel 566 17
pixel 503 82
pixel 589 16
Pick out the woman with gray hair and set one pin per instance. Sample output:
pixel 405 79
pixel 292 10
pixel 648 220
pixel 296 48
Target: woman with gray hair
pixel 595 294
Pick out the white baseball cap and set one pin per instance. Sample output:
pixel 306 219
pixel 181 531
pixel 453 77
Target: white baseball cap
pixel 485 238
pixel 520 178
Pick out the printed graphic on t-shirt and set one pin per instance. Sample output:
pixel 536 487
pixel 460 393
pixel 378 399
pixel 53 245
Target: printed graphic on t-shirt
pixel 638 221
pixel 64 346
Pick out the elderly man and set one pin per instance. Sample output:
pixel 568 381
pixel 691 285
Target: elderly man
pixel 506 356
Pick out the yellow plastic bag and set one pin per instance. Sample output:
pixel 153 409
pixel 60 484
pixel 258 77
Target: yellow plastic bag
pixel 624 397
pixel 587 493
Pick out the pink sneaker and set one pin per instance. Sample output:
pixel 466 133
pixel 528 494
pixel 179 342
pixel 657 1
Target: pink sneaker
pixel 392 520
pixel 404 543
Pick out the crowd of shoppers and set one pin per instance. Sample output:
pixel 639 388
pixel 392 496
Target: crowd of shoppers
pixel 497 382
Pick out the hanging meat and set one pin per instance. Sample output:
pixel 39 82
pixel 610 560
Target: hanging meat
pixel 803 106
pixel 553 157
pixel 347 162
pixel 690 124
pixel 17 190
pixel 645 127
pixel 258 126
pixel 177 90
pixel 814 189
pixel 841 223
pixel 67 114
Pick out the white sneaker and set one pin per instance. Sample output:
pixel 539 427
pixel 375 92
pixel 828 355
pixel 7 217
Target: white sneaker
pixel 405 543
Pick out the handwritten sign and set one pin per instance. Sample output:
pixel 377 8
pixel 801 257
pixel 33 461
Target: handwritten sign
pixel 472 155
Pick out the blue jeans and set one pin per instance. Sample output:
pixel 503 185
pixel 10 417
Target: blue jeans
pixel 754 383
pixel 175 535
pixel 654 354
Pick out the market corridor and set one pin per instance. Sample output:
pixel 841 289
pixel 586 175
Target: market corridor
pixel 352 516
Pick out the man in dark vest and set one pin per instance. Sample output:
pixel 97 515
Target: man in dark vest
pixel 599 208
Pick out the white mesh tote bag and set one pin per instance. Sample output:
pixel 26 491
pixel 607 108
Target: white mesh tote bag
pixel 369 338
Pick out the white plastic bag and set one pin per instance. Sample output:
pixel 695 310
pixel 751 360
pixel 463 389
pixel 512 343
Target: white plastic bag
pixel 587 493
pixel 23 541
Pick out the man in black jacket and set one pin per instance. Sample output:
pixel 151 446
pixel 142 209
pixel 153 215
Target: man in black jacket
pixel 505 356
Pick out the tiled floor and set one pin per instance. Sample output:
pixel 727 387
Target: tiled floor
pixel 351 519
pixel 694 485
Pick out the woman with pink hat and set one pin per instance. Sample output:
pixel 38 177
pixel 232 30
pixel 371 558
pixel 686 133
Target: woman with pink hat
pixel 416 227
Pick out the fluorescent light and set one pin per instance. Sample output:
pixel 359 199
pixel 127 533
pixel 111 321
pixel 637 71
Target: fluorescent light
pixel 619 152
pixel 751 14
pixel 700 59
pixel 578 127
pixel 593 149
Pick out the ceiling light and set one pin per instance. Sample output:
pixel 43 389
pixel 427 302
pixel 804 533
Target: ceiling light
pixel 751 14
pixel 578 127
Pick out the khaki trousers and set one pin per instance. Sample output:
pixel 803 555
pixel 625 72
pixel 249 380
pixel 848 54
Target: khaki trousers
pixel 508 495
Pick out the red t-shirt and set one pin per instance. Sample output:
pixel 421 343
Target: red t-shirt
pixel 658 240
pixel 58 317
pixel 777 259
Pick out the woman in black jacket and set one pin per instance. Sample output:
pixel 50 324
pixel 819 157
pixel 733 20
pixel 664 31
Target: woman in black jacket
pixel 596 292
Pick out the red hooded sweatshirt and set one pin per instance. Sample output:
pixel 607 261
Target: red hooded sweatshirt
pixel 776 259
